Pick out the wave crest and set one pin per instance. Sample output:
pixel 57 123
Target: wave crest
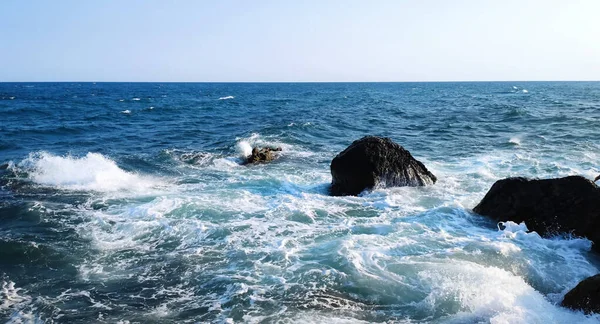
pixel 93 172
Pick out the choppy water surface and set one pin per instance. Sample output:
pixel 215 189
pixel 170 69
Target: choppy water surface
pixel 126 202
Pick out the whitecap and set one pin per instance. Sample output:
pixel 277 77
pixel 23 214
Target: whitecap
pixel 226 163
pixel 93 172
pixel 525 91
pixel 493 294
pixel 136 99
pixel 227 98
pixel 126 112
pixel 12 296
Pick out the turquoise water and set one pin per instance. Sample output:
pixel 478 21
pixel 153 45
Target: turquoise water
pixel 126 202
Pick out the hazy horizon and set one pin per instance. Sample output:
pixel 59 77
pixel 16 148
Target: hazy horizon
pixel 292 82
pixel 269 41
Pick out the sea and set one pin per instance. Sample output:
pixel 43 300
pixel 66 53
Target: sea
pixel 128 203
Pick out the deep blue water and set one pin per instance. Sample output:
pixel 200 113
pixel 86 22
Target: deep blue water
pixel 127 202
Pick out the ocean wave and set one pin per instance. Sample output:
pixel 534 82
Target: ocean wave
pixel 227 98
pixel 397 261
pixel 16 305
pixel 12 296
pixel 93 172
pixel 172 228
pixel 515 141
pixel 481 293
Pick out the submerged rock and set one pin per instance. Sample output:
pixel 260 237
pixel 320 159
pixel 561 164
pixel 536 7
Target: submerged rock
pixel 550 206
pixel 585 296
pixel 376 162
pixel 264 154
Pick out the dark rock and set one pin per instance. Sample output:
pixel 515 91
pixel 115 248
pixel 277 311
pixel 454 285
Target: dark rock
pixel 597 178
pixel 550 206
pixel 585 296
pixel 376 162
pixel 264 154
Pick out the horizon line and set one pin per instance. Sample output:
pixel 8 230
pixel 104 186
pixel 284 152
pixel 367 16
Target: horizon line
pixel 429 81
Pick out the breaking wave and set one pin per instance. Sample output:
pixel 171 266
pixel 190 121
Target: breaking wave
pixel 93 172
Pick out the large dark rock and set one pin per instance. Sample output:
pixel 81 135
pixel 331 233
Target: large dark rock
pixel 549 206
pixel 376 162
pixel 585 296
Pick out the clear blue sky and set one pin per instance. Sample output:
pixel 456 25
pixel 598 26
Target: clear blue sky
pixel 411 40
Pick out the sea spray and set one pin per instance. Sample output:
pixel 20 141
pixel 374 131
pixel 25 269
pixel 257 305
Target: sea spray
pixel 90 172
pixel 244 149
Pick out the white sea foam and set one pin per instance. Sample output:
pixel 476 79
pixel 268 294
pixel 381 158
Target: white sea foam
pixel 392 256
pixel 91 172
pixel 136 99
pixel 244 149
pixel 16 302
pixel 260 235
pixel 258 140
pixel 515 140
pixel 490 293
pixel 525 91
pixel 126 112
pixel 12 296
pixel 227 98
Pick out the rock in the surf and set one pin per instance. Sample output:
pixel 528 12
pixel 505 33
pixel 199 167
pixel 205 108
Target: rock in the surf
pixel 264 154
pixel 585 296
pixel 569 205
pixel 372 162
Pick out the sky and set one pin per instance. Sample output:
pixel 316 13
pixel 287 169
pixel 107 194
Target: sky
pixel 299 41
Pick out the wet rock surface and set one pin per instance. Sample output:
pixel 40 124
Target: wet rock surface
pixel 569 205
pixel 585 296
pixel 376 162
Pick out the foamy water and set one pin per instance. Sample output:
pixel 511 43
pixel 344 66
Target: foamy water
pixel 93 172
pixel 413 250
pixel 182 232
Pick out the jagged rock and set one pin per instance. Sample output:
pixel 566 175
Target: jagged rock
pixel 550 206
pixel 585 296
pixel 264 154
pixel 376 162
